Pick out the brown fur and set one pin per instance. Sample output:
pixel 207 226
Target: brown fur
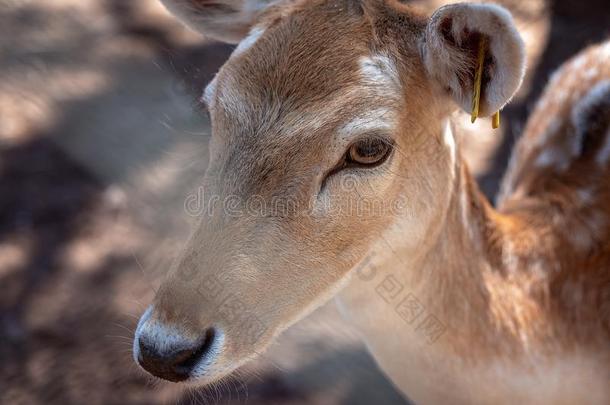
pixel 510 286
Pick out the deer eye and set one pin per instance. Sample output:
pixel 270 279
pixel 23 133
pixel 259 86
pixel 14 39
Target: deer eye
pixel 368 152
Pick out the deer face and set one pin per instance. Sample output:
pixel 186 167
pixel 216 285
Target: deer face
pixel 327 130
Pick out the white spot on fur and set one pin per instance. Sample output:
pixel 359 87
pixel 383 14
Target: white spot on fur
pixel 550 131
pixel 561 96
pixel 379 70
pixel 249 41
pixel 552 157
pixel 449 141
pixel 579 62
pixel 590 73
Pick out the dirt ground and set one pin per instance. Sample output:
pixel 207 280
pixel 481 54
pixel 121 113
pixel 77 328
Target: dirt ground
pixel 101 140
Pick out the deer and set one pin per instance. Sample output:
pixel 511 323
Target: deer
pixel 324 103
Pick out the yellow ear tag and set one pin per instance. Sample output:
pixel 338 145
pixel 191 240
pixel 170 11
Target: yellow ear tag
pixel 495 121
pixel 476 91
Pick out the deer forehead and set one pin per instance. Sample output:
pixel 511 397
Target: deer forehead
pixel 267 143
pixel 258 106
pixel 310 72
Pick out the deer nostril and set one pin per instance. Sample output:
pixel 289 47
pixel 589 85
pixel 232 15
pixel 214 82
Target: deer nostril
pixel 187 359
pixel 174 362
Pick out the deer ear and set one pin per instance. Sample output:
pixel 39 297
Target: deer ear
pixel 451 47
pixel 224 20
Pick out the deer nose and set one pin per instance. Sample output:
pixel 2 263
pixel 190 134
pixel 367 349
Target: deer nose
pixel 173 361
pixel 167 352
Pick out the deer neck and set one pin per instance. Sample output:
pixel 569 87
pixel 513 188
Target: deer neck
pixel 452 276
pixel 434 296
pixel 462 318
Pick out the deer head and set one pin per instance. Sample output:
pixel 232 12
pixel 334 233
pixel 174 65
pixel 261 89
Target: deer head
pixel 329 128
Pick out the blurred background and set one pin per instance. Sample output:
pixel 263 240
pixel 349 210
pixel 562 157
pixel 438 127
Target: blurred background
pixel 101 141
